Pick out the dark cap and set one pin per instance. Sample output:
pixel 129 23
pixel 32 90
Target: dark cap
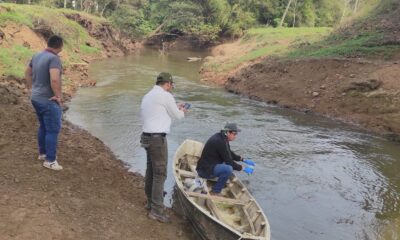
pixel 231 127
pixel 164 77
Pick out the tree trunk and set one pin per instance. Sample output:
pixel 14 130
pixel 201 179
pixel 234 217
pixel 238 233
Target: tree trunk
pixel 104 8
pixel 344 10
pixel 65 3
pixel 96 6
pixel 294 14
pixel 158 29
pixel 356 5
pixel 284 14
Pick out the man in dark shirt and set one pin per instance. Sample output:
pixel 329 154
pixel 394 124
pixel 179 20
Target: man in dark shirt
pixel 217 159
pixel 43 76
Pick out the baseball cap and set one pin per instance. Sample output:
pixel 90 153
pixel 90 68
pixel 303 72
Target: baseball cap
pixel 231 127
pixel 164 77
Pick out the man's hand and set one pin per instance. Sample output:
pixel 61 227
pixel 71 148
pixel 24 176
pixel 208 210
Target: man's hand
pixel 249 162
pixel 181 106
pixel 55 83
pixel 57 99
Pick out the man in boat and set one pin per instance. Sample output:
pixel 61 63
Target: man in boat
pixel 218 160
pixel 157 110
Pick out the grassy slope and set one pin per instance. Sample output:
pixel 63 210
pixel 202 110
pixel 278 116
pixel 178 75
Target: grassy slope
pixel 261 42
pixel 14 58
pixel 370 35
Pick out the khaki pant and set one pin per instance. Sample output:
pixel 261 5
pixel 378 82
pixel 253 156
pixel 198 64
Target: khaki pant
pixel 156 171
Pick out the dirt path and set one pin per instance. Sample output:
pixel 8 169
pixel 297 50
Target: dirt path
pixel 94 197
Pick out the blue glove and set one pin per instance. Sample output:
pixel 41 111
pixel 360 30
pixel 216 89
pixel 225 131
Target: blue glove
pixel 249 162
pixel 248 169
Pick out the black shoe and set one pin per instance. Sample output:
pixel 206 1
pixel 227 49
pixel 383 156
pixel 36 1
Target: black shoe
pixel 164 218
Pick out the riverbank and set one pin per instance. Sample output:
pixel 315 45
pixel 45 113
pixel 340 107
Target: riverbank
pixel 94 197
pixel 361 92
pixel 352 75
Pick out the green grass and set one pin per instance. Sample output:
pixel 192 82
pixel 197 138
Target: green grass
pixel 11 16
pixel 89 50
pixel 289 43
pixel 254 54
pixel 262 42
pixel 365 45
pixel 365 36
pixel 14 60
pixel 76 38
pixel 275 34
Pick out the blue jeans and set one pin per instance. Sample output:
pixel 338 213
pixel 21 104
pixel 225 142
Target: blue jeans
pixel 223 172
pixel 49 116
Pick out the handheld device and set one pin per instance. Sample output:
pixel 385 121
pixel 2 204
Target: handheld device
pixel 187 105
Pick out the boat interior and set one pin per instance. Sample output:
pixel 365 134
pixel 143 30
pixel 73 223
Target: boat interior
pixel 234 207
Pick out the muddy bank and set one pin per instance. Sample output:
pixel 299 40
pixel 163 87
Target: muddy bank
pixel 94 197
pixel 362 92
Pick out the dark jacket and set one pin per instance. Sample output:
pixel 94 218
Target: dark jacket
pixel 217 151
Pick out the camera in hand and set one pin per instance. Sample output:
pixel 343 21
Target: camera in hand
pixel 187 105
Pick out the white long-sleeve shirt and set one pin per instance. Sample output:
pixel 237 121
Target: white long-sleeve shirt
pixel 157 110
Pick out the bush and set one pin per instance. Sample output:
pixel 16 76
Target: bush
pixel 208 30
pixel 130 21
pixel 239 21
pixel 184 17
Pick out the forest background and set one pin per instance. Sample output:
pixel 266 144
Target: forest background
pixel 214 19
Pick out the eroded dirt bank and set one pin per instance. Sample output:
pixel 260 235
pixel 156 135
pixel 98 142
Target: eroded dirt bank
pixel 94 197
pixel 363 92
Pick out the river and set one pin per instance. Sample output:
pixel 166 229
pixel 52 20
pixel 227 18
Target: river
pixel 316 179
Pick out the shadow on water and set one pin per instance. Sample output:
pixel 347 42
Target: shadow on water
pixel 315 178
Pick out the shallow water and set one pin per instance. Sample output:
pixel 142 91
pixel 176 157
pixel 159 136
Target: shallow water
pixel 314 178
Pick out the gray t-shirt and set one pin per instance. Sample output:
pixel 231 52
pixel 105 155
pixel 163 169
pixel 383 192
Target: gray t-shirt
pixel 41 64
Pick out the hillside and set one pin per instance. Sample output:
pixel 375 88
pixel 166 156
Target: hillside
pixel 94 197
pixel 24 30
pixel 351 75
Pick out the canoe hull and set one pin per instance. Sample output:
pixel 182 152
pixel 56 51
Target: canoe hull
pixel 206 228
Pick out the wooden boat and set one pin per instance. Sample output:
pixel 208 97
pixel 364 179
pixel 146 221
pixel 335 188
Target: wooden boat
pixel 234 215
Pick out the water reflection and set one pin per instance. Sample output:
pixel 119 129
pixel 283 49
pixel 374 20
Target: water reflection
pixel 315 179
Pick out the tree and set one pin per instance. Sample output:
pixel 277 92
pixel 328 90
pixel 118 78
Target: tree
pixel 284 14
pixel 183 16
pixel 308 13
pixel 328 13
pixel 356 5
pixel 130 20
pixel 294 13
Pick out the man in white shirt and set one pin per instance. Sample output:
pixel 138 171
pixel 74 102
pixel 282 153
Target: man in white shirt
pixel 157 110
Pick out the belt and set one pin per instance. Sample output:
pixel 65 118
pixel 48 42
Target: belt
pixel 154 134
